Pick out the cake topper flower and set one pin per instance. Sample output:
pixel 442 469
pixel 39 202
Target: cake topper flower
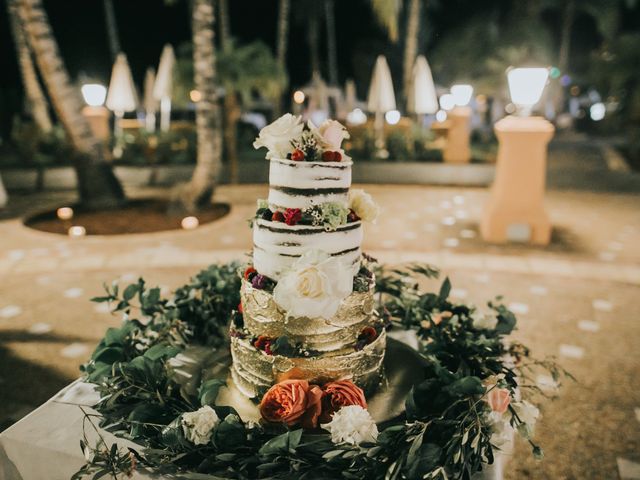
pixel 315 286
pixel 363 205
pixel 292 402
pixel 277 137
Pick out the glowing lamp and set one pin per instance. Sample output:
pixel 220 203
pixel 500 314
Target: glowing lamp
pixel 77 231
pixel 447 102
pixel 462 94
pixel 65 213
pixel 356 117
pixel 94 94
pixel 526 86
pixel 441 115
pixel 190 223
pixel 597 111
pixel 195 96
pixel 299 96
pixel 392 117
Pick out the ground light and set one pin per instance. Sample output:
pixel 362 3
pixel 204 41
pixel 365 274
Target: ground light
pixel 392 117
pixel 515 211
pixel 190 223
pixel 298 97
pixel 65 213
pixel 97 115
pixel 458 149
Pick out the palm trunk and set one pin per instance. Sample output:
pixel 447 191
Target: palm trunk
pixel 225 30
pixel 232 115
pixel 410 47
pixel 283 32
pixel 112 29
pixel 565 46
pixel 329 9
pixel 314 48
pixel 98 186
pixel 197 193
pixel 36 101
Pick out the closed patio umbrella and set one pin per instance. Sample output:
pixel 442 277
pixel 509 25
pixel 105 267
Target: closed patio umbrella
pixel 422 96
pixel 121 97
pixel 149 101
pixel 164 85
pixel 381 98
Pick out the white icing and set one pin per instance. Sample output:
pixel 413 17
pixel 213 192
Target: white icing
pixel 287 173
pixel 278 199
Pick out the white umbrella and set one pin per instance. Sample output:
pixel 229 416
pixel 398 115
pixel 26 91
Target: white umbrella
pixel 350 95
pixel 164 85
pixel 150 102
pixel 422 96
pixel 381 97
pixel 122 92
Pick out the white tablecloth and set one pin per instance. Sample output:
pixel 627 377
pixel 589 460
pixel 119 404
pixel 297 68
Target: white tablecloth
pixel 45 445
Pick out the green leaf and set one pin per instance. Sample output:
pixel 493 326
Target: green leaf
pixel 466 386
pixel 130 291
pixel 208 391
pixel 445 290
pixel 109 355
pixel 282 444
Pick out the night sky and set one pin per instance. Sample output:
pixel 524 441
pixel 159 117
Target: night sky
pixel 146 25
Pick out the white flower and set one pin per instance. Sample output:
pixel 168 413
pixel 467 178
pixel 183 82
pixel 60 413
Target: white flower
pixel 528 414
pixel 198 426
pixel 330 134
pixel 363 205
pixel 501 430
pixel 352 424
pixel 277 136
pixel 485 321
pixel 315 286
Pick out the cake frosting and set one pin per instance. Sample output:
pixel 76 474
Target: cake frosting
pixel 307 308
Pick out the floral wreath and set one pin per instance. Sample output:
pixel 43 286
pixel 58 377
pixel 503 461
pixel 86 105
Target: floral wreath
pixel 156 390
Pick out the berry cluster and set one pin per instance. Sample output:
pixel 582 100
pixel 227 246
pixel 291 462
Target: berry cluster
pixel 367 336
pixel 298 155
pixel 257 280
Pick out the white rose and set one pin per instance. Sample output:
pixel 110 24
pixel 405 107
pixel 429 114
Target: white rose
pixel 528 414
pixel 315 286
pixel 352 424
pixel 485 321
pixel 363 205
pixel 277 136
pixel 501 430
pixel 198 426
pixel 330 134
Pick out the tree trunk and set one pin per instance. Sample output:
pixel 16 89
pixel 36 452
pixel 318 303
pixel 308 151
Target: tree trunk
pixel 232 115
pixel 410 48
pixel 313 36
pixel 36 101
pixel 98 186
pixel 225 30
pixel 565 47
pixel 197 193
pixel 283 32
pixel 112 29
pixel 332 54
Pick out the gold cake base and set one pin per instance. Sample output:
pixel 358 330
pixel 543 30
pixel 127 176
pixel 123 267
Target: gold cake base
pixel 402 367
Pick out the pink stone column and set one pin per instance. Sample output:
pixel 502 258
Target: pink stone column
pixel 517 193
pixel 457 149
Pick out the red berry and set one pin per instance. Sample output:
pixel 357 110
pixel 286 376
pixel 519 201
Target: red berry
pixel 240 309
pixel 297 155
pixel 328 156
pixel 292 216
pixel 248 272
pixel 263 343
pixel 277 217
pixel 352 217
pixel 337 157
pixel 368 334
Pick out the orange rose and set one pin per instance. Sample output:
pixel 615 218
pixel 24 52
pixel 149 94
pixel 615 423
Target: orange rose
pixel 498 399
pixel 340 394
pixel 292 402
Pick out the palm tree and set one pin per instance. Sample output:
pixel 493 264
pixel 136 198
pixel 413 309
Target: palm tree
pixel 283 32
pixel 386 13
pixel 112 29
pixel 98 186
pixel 197 192
pixel 410 46
pixel 225 31
pixel 36 101
pixel 329 10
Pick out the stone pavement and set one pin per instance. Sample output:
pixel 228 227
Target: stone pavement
pixel 577 299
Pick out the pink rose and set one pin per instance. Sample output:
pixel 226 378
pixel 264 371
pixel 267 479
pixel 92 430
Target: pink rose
pixel 340 394
pixel 498 399
pixel 292 402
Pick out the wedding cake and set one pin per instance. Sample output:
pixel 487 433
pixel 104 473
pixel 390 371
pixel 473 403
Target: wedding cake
pixel 306 308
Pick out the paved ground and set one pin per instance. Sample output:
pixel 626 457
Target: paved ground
pixel 577 299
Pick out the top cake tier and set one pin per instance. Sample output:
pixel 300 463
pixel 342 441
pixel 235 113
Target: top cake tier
pixel 301 185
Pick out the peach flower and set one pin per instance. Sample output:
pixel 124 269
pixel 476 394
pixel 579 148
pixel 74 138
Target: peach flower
pixel 340 394
pixel 292 402
pixel 498 399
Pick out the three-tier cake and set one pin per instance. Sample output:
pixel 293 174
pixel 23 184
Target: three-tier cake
pixel 307 309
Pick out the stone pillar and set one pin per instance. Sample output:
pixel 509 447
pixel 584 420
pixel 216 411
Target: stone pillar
pixel 457 149
pixel 98 118
pixel 515 210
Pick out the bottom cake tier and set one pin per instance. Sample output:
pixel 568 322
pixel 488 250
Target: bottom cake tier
pixel 255 371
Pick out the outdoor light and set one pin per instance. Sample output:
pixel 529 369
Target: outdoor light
pixel 356 117
pixel 195 96
pixel 94 94
pixel 462 94
pixel 526 86
pixel 65 213
pixel 299 96
pixel 447 101
pixel 77 231
pixel 441 115
pixel 597 111
pixel 190 223
pixel 392 117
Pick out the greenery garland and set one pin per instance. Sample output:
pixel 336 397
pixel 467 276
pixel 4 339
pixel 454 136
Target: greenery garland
pixel 446 432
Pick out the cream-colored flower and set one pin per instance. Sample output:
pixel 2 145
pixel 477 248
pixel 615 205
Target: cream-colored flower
pixel 277 136
pixel 315 286
pixel 501 430
pixel 363 205
pixel 352 424
pixel 198 426
pixel 330 134
pixel 485 321
pixel 528 414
